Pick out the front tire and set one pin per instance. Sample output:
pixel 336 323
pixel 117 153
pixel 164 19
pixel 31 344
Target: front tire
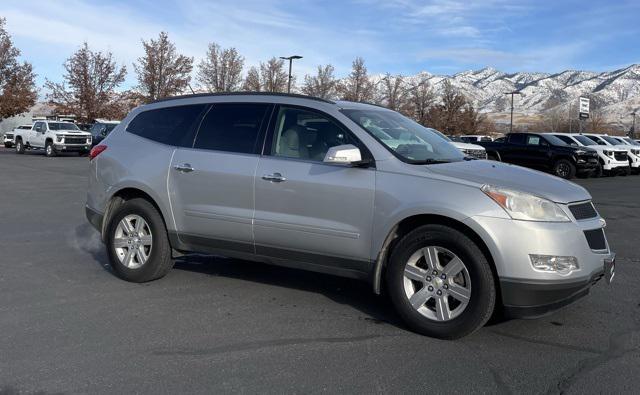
pixel 564 169
pixel 49 151
pixel 19 147
pixel 137 242
pixel 440 282
pixel 7 145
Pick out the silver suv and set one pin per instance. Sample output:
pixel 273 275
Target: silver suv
pixel 348 189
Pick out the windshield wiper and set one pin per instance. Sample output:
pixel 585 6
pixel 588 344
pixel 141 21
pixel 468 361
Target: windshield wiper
pixel 428 161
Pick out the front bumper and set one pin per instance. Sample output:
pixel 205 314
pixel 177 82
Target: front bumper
pixel 609 163
pixel 72 148
pixel 525 291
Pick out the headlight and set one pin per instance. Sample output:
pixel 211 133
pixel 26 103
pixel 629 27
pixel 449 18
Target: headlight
pixel 59 137
pixel 608 153
pixel 580 152
pixel 635 151
pixel 525 207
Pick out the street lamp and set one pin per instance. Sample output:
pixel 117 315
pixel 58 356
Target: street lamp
pixel 512 94
pixel 290 59
pixel 632 133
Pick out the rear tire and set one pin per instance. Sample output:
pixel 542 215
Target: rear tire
pixel 130 256
pixel 564 169
pixel 597 173
pixel 410 280
pixel 49 151
pixel 19 147
pixel 7 145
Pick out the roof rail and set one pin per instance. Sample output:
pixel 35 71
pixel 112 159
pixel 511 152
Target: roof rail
pixel 241 94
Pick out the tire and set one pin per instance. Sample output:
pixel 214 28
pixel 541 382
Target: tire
pixel 625 172
pixel 564 169
pixel 49 151
pixel 7 145
pixel 19 147
pixel 158 255
pixel 478 283
pixel 598 172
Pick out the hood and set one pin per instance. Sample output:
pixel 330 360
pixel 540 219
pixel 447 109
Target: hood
pixel 72 132
pixel 480 172
pixel 462 146
pixel 601 148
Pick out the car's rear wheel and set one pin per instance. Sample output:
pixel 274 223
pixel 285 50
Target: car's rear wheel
pixel 19 147
pixel 7 145
pixel 598 172
pixel 564 169
pixel 137 242
pixel 440 282
pixel 49 150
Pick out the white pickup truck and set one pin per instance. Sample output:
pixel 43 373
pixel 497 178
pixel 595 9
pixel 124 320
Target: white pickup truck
pixel 53 137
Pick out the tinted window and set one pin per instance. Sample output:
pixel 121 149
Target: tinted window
pixel 171 125
pixel 62 126
pixel 516 138
pixel 102 129
pixel 232 127
pixel 566 139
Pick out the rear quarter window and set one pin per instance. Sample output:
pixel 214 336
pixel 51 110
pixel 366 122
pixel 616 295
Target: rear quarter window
pixel 169 125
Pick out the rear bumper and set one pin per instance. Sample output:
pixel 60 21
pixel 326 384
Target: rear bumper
pixel 524 299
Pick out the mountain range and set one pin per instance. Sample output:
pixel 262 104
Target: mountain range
pixel 614 93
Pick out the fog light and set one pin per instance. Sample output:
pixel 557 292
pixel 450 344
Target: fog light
pixel 552 263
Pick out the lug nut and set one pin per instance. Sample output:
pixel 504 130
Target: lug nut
pixel 443 276
pixel 428 278
pixel 435 273
pixel 439 293
pixel 446 286
pixel 430 288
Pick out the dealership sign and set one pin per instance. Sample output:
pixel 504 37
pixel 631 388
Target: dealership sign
pixel 584 108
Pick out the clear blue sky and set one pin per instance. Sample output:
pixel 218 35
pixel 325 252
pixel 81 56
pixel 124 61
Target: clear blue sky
pixel 398 36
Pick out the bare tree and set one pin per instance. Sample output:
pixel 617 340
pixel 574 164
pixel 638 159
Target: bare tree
pixel 393 93
pixel 446 116
pixel 420 99
pixel 89 87
pixel 221 70
pixel 322 85
pixel 357 86
pixel 17 81
pixel 273 76
pixel 252 80
pixel 162 71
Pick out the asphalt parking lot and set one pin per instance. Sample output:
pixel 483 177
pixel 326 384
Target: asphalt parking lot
pixel 68 325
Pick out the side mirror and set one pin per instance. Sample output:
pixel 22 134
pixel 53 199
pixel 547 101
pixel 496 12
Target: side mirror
pixel 343 154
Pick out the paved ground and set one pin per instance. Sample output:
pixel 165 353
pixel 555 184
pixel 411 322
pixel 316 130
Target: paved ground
pixel 67 325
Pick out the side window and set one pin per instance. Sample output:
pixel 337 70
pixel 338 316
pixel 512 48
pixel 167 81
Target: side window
pixel 516 138
pixel 232 127
pixel 38 127
pixel 566 139
pixel 304 134
pixel 533 139
pixel 170 125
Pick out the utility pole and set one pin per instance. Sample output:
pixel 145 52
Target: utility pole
pixel 512 94
pixel 290 59
pixel 632 132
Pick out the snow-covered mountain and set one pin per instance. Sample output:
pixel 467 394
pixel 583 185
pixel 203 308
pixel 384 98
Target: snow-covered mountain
pixel 616 93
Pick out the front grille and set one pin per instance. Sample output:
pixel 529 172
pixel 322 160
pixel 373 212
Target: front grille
pixel 582 211
pixel 595 239
pixel 476 153
pixel 620 155
pixel 8 135
pixel 72 140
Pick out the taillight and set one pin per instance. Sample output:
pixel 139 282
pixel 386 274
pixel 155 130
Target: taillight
pixel 97 150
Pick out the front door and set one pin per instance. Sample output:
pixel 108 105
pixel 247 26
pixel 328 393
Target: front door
pixel 538 152
pixel 211 183
pixel 36 138
pixel 309 212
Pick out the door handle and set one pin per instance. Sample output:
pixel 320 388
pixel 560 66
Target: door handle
pixel 184 168
pixel 275 177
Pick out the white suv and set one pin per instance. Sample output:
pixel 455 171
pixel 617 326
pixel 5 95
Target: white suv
pixel 612 159
pixel 633 156
pixel 53 137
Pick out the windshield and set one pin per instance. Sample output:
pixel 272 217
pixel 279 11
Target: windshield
pixel 611 140
pixel 62 126
pixel 408 140
pixel 584 140
pixel 630 141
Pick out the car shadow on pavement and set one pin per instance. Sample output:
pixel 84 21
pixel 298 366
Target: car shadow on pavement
pixel 357 294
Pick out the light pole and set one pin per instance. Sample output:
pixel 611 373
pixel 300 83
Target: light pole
pixel 633 128
pixel 290 59
pixel 512 94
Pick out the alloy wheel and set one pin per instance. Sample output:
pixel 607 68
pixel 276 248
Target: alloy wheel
pixel 437 283
pixel 133 241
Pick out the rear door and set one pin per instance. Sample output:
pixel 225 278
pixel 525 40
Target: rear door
pixel 211 182
pixel 308 211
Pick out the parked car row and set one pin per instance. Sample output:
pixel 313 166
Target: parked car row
pixel 567 155
pixel 54 137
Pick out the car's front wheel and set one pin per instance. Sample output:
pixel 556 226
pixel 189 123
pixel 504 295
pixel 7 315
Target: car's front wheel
pixel 137 242
pixel 564 169
pixel 19 147
pixel 49 150
pixel 7 145
pixel 440 282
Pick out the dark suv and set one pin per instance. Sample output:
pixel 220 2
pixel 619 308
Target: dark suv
pixel 543 152
pixel 101 129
